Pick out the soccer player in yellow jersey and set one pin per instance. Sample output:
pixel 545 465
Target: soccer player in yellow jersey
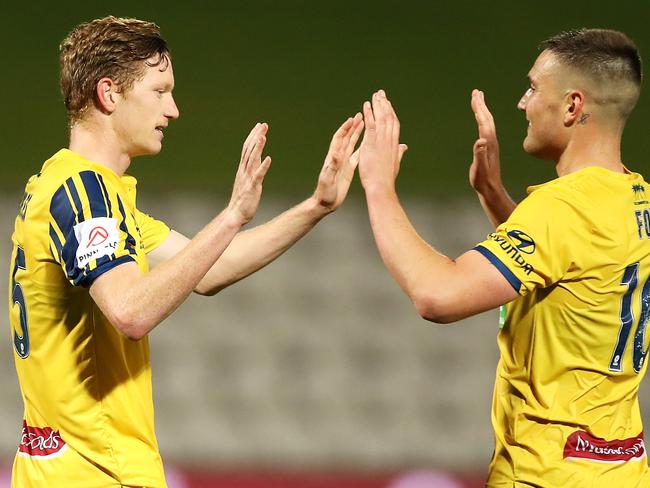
pixel 571 261
pixel 92 275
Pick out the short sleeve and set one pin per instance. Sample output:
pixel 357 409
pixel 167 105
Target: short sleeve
pixel 89 230
pixel 531 248
pixel 152 231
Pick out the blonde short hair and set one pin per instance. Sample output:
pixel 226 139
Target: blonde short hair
pixel 110 47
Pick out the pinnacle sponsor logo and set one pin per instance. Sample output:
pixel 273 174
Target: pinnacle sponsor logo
pixel 523 242
pixel 581 445
pixel 513 252
pixel 97 237
pixel 41 442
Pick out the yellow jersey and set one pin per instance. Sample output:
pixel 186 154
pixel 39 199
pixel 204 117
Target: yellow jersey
pixel 86 388
pixel 573 345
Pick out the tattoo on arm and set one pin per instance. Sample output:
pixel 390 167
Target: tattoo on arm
pixel 583 119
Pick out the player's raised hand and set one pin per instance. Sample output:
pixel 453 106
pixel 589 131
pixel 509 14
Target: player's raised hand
pixel 380 152
pixel 247 189
pixel 485 170
pixel 340 162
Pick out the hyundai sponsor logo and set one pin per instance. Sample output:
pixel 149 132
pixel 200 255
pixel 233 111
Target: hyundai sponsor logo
pixel 522 241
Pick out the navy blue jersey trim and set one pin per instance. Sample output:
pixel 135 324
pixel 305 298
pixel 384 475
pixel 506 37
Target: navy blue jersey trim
pixel 87 279
pixel 95 194
pixel 129 242
pixel 105 192
pixel 55 240
pixel 64 216
pixel 498 264
pixel 75 198
pixel 62 211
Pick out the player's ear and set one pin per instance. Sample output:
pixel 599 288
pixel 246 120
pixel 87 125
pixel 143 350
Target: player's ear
pixel 574 106
pixel 106 92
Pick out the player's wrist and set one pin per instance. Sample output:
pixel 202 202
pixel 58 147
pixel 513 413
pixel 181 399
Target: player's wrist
pixel 317 208
pixel 232 217
pixel 378 187
pixel 491 189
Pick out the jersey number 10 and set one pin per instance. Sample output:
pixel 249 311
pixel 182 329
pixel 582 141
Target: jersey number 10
pixel 631 280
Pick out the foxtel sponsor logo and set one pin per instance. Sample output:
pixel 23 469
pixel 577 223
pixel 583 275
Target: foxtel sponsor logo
pixel 581 445
pixel 512 251
pixel 41 442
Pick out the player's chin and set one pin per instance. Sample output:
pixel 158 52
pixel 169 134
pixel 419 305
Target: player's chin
pixel 150 149
pixel 530 147
pixel 540 151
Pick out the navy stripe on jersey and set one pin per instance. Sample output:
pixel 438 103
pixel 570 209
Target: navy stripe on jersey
pixel 64 216
pixel 105 192
pixel 95 194
pixel 55 240
pixel 498 264
pixel 75 198
pixel 87 278
pixel 129 242
pixel 62 211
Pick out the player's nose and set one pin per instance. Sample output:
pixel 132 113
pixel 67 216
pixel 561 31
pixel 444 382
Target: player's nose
pixel 172 111
pixel 521 105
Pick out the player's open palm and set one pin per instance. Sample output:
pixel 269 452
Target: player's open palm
pixel 247 189
pixel 380 152
pixel 485 170
pixel 341 161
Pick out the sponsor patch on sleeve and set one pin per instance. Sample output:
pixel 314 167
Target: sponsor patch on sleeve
pixel 97 237
pixel 516 244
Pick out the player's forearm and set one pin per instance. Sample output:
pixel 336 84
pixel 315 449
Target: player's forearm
pixel 253 249
pixel 135 303
pixel 423 273
pixel 497 204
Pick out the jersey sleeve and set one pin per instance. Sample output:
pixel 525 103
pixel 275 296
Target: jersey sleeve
pixel 152 231
pixel 89 230
pixel 532 248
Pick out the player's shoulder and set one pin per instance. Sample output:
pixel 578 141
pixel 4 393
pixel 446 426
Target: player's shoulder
pixel 585 187
pixel 561 203
pixel 552 196
pixel 62 165
pixel 69 173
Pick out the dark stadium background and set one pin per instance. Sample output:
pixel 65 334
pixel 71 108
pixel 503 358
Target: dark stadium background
pixel 303 67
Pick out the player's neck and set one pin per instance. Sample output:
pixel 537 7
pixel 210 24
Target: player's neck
pixel 602 149
pixel 99 146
